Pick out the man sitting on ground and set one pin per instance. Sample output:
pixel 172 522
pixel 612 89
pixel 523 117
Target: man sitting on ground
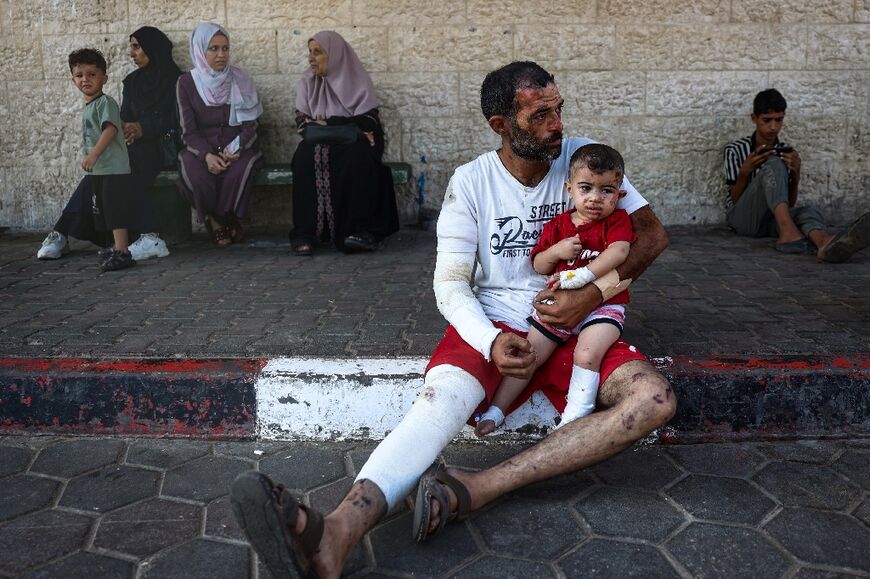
pixel 763 175
pixel 494 210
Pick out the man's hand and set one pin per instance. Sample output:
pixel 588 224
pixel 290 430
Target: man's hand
pixel 568 248
pixel 513 355
pixel 793 161
pixel 566 308
pixel 755 159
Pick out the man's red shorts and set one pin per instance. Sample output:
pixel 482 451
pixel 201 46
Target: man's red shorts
pixel 551 378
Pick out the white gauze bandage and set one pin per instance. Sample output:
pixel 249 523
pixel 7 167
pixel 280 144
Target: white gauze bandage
pixel 454 275
pixel 449 396
pixel 575 278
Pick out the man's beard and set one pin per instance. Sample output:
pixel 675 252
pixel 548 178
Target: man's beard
pixel 526 146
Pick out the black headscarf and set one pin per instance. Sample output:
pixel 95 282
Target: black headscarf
pixel 148 86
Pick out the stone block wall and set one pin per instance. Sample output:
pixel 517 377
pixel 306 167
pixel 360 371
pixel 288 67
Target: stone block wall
pixel 666 82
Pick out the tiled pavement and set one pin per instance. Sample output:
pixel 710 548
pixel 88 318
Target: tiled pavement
pixel 710 293
pixel 150 508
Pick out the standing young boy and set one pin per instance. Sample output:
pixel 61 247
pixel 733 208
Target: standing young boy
pixel 105 156
pixel 579 245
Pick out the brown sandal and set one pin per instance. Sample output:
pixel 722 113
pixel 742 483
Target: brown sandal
pixel 431 486
pixel 220 236
pixel 268 512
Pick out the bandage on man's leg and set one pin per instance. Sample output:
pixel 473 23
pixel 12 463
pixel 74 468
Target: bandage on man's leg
pixel 449 396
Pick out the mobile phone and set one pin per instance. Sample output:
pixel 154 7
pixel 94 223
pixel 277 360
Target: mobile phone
pixel 779 150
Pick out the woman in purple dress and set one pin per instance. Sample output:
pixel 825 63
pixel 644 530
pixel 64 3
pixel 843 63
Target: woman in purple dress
pixel 218 107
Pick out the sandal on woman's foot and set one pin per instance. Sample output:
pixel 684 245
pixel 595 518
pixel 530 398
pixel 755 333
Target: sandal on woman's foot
pixel 359 244
pixel 220 236
pixel 236 232
pixel 268 515
pixel 433 485
pixel 303 249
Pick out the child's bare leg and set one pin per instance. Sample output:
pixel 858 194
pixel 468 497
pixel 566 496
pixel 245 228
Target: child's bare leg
pixel 121 239
pixel 592 343
pixel 510 388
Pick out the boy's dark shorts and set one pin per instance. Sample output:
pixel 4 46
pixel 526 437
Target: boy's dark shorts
pixel 113 202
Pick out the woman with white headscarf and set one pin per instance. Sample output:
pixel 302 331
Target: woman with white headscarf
pixel 341 190
pixel 218 108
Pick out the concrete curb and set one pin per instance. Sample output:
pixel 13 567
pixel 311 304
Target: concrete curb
pixel 720 398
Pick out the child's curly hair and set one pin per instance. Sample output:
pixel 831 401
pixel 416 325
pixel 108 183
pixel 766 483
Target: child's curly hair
pixel 87 56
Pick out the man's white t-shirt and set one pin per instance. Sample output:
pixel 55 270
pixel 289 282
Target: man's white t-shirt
pixel 488 212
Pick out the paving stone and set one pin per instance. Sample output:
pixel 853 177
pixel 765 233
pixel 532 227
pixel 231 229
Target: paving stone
pixel 808 573
pixel 629 513
pixel 497 568
pixel 807 451
pixel 359 455
pixel 325 499
pixel 807 486
pixel 109 488
pixel 13 459
pixel 638 467
pixel 728 552
pixel 23 494
pixel 203 479
pixel 563 487
pixel 147 527
pixel 721 459
pixel 479 456
pixel 605 558
pixel 165 453
pixel 855 465
pixel 395 550
pixel 200 559
pixel 721 499
pixel 40 537
pixel 71 457
pixel 84 565
pixel 220 521
pixel 250 450
pixel 506 529
pixel 822 538
pixel 862 513
pixel 305 466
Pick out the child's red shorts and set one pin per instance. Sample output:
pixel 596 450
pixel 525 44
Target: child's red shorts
pixel 551 378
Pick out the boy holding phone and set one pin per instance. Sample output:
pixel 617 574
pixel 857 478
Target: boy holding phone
pixel 763 174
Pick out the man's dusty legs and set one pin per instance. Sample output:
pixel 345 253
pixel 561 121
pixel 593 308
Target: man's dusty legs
pixel 639 400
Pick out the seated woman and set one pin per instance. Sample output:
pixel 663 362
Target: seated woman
pixel 149 115
pixel 340 191
pixel 219 107
pixel 147 111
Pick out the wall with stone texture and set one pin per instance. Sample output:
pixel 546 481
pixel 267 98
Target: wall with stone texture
pixel 666 82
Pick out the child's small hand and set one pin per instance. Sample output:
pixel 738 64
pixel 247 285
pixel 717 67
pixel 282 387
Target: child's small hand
pixel 569 248
pixel 88 163
pixel 554 281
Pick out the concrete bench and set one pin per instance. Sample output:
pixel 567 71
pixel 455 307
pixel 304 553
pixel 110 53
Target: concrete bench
pixel 174 211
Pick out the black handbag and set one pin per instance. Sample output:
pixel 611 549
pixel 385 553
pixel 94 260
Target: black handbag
pixel 331 134
pixel 169 149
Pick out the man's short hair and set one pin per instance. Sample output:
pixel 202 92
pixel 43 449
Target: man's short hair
pixel 499 89
pixel 597 158
pixel 768 101
pixel 87 56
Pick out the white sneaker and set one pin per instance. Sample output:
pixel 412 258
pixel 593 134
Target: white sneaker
pixel 147 246
pixel 53 246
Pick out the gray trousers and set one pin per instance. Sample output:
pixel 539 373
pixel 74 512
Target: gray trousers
pixel 752 215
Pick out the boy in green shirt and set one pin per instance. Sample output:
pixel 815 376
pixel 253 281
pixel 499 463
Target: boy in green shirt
pixel 105 155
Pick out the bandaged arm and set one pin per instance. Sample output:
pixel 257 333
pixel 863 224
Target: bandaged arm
pixel 457 303
pixel 609 259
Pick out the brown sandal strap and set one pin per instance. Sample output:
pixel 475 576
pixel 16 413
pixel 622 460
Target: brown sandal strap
pixel 309 538
pixel 463 498
pixel 313 531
